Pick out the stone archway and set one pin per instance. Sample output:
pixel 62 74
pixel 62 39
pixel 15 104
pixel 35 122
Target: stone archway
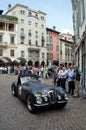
pixel 5 60
pixel 8 59
pixel 20 61
pixel 43 63
pixel 30 63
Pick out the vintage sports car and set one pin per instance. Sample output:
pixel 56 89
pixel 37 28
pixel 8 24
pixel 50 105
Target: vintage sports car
pixel 35 93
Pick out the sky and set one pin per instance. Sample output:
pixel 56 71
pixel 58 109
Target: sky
pixel 58 12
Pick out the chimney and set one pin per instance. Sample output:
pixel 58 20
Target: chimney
pixel 54 27
pixel 9 6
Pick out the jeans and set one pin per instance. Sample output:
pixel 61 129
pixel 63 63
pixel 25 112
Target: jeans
pixel 71 86
pixel 77 84
pixel 63 81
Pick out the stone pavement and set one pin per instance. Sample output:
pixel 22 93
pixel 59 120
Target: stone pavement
pixel 15 116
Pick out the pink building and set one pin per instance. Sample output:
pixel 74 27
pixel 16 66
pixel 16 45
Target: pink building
pixel 53 45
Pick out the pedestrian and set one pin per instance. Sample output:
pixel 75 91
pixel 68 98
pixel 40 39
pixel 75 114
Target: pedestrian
pixel 55 77
pixel 78 77
pixel 8 69
pixel 71 85
pixel 46 72
pixel 42 71
pixel 63 76
pixel 43 63
pixel 59 76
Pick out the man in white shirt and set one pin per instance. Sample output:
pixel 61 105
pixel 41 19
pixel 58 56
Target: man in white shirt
pixel 63 76
pixel 71 85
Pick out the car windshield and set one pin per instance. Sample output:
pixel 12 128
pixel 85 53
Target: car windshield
pixel 32 83
pixel 26 79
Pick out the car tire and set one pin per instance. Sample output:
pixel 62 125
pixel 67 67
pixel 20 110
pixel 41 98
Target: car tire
pixel 30 104
pixel 13 91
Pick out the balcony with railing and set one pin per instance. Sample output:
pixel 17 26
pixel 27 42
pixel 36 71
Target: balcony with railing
pixel 33 47
pixel 8 22
pixel 7 26
pixel 11 27
pixel 2 26
pixel 3 44
pixel 8 18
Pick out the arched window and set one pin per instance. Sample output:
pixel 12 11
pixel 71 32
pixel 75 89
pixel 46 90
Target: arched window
pixel 29 14
pixel 22 31
pixel 36 15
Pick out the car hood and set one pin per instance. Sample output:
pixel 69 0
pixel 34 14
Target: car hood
pixel 42 87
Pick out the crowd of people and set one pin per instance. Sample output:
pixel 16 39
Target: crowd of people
pixel 72 75
pixel 61 75
pixel 5 69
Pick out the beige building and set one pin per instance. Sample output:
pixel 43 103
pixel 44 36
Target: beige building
pixel 8 38
pixel 79 26
pixel 31 34
pixel 66 45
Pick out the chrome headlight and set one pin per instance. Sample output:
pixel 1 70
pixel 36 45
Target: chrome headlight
pixel 66 97
pixel 46 98
pixel 59 97
pixel 39 100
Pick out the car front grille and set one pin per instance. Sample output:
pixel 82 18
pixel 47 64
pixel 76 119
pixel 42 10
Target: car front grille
pixel 52 96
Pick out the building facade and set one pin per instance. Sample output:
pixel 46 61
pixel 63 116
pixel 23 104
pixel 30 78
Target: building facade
pixel 31 34
pixel 79 25
pixel 8 37
pixel 66 46
pixel 52 39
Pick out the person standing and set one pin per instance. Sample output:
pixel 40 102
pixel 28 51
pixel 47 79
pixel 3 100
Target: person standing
pixel 63 76
pixel 46 72
pixel 78 77
pixel 71 85
pixel 59 76
pixel 55 77
pixel 42 71
pixel 43 63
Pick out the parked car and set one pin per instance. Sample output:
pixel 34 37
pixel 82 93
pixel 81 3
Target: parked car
pixel 35 93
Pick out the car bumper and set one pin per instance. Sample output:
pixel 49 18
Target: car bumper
pixel 47 104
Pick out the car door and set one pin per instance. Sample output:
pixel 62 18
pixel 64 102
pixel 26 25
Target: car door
pixel 23 91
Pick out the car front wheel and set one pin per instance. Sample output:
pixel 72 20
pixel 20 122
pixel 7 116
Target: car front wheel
pixel 30 104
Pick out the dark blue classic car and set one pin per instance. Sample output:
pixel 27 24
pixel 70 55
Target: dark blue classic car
pixel 35 93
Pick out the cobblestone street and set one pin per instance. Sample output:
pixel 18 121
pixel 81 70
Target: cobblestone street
pixel 15 116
